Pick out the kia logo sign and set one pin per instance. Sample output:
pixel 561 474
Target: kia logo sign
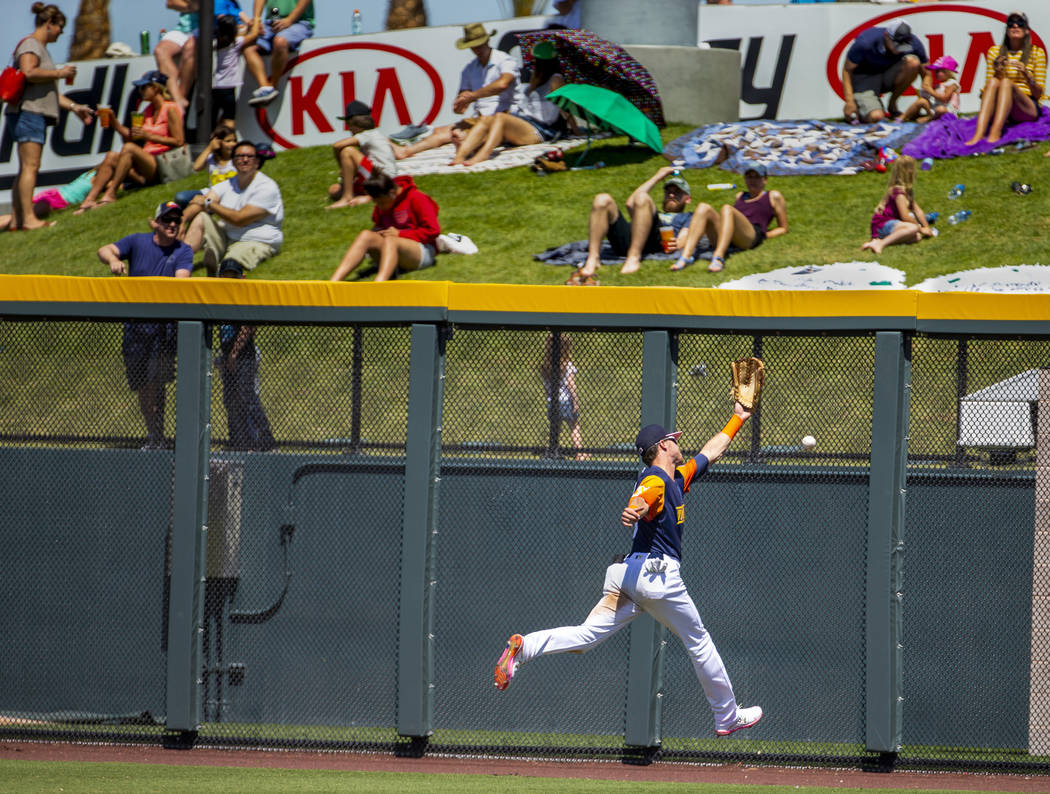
pixel 392 80
pixel 972 64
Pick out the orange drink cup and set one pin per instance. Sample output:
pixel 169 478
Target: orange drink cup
pixel 666 237
pixel 105 115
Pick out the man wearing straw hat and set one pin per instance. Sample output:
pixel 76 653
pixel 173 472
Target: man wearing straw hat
pixel 488 82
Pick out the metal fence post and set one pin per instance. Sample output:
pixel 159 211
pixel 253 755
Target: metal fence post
pixel 190 499
pixel 885 550
pixel 645 667
pixel 415 673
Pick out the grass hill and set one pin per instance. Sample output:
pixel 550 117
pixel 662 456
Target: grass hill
pixel 514 214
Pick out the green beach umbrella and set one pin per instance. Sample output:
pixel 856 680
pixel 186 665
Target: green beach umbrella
pixel 603 109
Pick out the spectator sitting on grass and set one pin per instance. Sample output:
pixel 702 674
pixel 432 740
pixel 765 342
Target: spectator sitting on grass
pixel 404 232
pixel 240 219
pixel 640 235
pixel 898 218
pixel 161 129
pixel 149 347
pixel 365 152
pixel 217 157
pixel 744 223
pixel 531 119
pixel 488 83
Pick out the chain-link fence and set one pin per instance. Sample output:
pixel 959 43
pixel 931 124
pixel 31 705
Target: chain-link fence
pixel 336 607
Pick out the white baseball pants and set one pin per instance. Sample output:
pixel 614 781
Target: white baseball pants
pixel 652 585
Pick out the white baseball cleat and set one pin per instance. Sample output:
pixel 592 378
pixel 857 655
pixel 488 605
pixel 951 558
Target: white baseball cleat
pixel 745 718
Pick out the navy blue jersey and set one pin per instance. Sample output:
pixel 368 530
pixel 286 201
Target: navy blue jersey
pixel 660 530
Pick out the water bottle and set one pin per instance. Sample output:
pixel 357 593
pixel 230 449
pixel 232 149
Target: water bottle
pixel 927 163
pixel 956 191
pixel 958 217
pixel 355 22
pixel 721 186
pixel 931 218
pixel 275 14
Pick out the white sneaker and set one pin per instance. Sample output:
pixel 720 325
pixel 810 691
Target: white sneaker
pixel 263 95
pixel 745 718
pixel 456 244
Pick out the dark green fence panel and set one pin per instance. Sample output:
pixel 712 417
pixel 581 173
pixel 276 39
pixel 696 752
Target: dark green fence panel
pixel 301 599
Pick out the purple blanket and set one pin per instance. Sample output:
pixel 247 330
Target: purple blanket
pixel 947 136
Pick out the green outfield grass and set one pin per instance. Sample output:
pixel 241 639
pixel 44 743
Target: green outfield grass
pixel 104 777
pixel 513 214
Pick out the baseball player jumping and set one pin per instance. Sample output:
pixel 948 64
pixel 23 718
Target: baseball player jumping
pixel 649 579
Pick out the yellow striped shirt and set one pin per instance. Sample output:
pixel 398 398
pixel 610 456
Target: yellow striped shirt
pixel 1036 65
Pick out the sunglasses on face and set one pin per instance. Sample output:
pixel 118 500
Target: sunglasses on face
pixel 1016 22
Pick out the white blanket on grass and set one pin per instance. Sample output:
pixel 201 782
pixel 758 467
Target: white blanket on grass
pixel 872 275
pixel 436 161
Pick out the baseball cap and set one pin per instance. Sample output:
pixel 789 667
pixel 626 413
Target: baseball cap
pixel 152 76
pixel 679 183
pixel 900 32
pixel 167 208
pixel 356 108
pixel 946 62
pixel 758 168
pixel 651 434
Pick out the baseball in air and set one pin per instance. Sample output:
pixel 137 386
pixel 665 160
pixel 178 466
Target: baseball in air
pixel 808 442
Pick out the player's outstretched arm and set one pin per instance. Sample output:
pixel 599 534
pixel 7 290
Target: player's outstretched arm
pixel 719 443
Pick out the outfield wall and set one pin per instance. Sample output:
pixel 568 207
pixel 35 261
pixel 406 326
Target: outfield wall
pixel 353 587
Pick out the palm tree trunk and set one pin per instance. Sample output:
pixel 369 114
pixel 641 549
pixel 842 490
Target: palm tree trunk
pixel 90 31
pixel 403 14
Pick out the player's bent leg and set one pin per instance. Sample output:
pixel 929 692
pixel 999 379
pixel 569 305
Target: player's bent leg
pixel 614 611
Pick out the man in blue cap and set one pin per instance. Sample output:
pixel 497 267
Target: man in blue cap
pixel 881 60
pixel 649 578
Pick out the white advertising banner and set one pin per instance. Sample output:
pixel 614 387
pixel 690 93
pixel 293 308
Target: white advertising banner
pixel 408 77
pixel 791 55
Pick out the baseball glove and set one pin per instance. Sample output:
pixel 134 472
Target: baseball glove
pixel 748 376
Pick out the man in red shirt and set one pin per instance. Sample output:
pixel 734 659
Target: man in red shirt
pixel 404 232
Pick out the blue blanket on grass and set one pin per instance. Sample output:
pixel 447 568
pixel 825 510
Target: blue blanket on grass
pixel 788 147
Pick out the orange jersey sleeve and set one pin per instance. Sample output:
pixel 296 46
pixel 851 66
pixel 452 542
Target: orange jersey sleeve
pixel 651 492
pixel 688 472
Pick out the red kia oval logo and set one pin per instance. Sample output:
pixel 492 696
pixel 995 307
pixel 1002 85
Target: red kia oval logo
pixel 317 95
pixel 970 62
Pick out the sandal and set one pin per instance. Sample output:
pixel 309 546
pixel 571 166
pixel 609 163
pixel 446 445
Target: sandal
pixel 682 263
pixel 577 278
pixel 717 263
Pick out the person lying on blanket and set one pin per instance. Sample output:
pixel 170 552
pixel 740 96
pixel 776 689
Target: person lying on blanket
pixel 531 119
pixel 744 223
pixel 642 234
